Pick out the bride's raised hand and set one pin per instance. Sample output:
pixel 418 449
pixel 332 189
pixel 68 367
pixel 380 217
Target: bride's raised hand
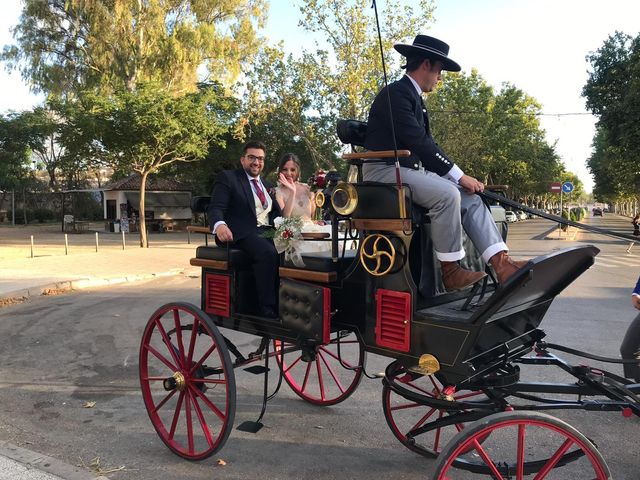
pixel 287 183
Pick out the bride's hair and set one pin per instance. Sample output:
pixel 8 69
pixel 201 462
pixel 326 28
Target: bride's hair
pixel 290 157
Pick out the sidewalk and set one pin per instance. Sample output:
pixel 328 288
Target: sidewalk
pixel 18 463
pixel 51 271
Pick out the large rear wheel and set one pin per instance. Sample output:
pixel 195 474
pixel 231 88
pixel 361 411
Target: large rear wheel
pixel 520 445
pixel 324 374
pixel 187 380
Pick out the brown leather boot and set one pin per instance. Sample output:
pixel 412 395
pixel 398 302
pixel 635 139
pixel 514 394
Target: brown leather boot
pixel 455 277
pixel 504 266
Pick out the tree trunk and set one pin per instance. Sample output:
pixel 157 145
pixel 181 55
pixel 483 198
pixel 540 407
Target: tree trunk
pixel 24 205
pixel 143 224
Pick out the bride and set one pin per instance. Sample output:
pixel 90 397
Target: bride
pixel 297 200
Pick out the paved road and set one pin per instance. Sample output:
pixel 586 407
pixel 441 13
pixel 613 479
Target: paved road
pixel 61 352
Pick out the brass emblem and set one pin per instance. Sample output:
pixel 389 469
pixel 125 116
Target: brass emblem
pixel 377 254
pixel 427 365
pixel 320 199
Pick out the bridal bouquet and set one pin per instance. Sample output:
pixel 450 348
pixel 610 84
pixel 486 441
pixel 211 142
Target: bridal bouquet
pixel 287 238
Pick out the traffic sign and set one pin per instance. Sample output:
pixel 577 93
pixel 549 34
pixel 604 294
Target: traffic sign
pixel 555 187
pixel 567 187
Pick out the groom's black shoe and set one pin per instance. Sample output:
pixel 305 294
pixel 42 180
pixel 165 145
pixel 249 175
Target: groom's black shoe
pixel 268 312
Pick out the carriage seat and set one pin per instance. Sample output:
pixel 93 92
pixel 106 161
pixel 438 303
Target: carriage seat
pixel 237 258
pixel 318 265
pixel 322 262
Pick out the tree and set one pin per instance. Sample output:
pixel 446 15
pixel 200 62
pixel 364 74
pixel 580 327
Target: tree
pixel 149 129
pixel 612 92
pixel 349 28
pixel 64 46
pixel 495 137
pixel 286 104
pixel 15 155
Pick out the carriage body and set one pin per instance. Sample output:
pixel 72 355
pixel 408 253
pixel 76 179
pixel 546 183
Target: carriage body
pixel 384 297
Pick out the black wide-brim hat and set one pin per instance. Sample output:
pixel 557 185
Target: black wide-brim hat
pixel 429 47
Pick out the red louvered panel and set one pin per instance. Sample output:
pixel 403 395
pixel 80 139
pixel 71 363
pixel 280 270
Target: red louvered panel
pixel 393 315
pixel 216 295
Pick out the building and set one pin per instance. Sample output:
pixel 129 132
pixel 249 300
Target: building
pixel 167 204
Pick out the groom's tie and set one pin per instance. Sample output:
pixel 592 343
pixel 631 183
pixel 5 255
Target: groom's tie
pixel 259 192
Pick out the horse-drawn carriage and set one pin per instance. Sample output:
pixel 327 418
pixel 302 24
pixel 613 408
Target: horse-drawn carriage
pixel 454 377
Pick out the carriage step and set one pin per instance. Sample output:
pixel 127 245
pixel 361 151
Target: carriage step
pixel 256 369
pixel 249 426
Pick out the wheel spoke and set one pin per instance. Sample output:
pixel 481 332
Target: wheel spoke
pixel 341 360
pixel 203 423
pixel 161 357
pixel 209 380
pixel 320 378
pixel 436 442
pixel 176 415
pixel 192 340
pixel 167 342
pixel 293 364
pixel 520 460
pixel 204 357
pixel 424 419
pixel 478 448
pixel 405 406
pixel 208 402
pixel 306 377
pixel 178 327
pixel 164 400
pixel 187 408
pixel 554 459
pixel 332 373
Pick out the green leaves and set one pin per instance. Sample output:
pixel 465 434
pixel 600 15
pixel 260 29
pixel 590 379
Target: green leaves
pixel 62 47
pixel 613 92
pixel 495 137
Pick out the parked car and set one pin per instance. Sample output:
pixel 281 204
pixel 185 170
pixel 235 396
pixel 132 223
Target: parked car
pixel 521 215
pixel 596 212
pixel 510 216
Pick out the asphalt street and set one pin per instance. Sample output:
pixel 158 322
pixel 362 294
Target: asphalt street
pixel 63 353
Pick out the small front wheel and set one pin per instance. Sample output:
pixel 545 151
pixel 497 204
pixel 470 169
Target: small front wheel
pixel 187 380
pixel 520 445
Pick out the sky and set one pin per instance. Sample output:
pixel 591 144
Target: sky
pixel 538 45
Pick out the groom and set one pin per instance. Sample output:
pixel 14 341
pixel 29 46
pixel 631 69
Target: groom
pixel 240 210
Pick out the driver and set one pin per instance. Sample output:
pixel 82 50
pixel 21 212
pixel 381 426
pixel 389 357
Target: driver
pixel 436 182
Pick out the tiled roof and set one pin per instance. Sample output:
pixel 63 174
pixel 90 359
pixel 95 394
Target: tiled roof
pixel 132 182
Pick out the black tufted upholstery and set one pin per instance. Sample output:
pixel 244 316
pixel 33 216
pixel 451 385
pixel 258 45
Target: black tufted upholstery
pixel 304 309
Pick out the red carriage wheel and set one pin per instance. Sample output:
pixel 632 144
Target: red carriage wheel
pixel 520 445
pixel 325 374
pixel 406 413
pixel 187 380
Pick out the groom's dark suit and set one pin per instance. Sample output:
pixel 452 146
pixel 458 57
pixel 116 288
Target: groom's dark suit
pixel 233 202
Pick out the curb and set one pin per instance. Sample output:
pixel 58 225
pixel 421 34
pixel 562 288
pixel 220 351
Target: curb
pixel 19 296
pixel 44 463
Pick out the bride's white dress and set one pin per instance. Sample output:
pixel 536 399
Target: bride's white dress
pixel 302 208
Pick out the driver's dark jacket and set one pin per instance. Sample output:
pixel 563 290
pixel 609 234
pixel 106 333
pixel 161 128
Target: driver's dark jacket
pixel 411 123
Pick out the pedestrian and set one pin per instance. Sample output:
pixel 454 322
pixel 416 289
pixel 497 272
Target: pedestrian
pixel 630 348
pixel 636 224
